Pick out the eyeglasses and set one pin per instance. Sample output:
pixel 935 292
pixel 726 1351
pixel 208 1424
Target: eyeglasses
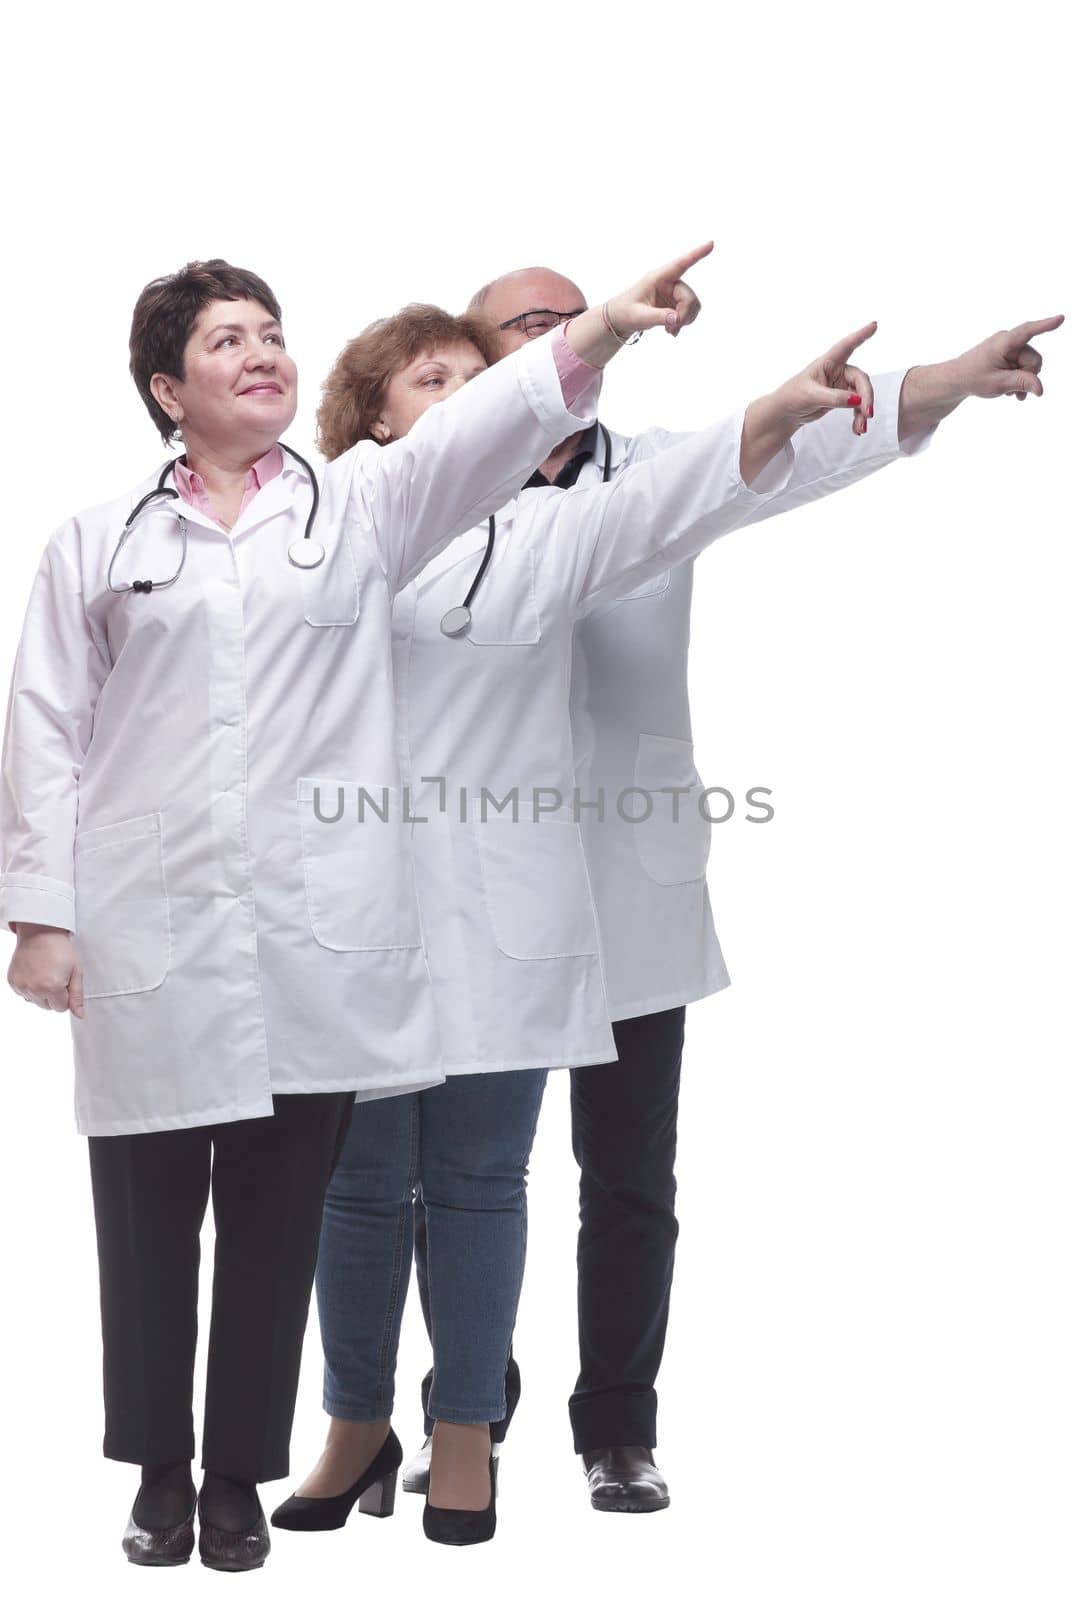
pixel 535 323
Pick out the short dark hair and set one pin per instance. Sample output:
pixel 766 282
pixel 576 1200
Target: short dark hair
pixel 167 310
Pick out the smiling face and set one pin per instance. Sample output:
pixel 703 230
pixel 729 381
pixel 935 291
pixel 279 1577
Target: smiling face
pixel 238 390
pixel 431 377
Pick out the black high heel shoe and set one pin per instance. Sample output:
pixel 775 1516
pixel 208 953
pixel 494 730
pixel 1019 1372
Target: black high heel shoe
pixel 445 1526
pixel 372 1494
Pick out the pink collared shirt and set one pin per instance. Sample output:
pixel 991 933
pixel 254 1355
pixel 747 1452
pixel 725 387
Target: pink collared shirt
pixel 193 491
pixel 575 376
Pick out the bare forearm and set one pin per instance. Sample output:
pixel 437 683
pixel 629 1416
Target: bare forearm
pixel 767 427
pixel 589 337
pixel 928 395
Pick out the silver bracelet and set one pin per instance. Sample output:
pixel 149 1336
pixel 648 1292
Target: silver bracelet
pixel 608 324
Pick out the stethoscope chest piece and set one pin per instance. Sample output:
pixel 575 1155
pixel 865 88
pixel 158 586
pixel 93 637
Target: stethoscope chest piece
pixel 306 553
pixel 457 620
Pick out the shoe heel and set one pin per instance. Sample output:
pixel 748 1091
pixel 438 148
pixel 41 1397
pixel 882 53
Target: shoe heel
pixel 378 1500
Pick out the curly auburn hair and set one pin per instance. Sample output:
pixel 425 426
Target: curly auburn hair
pixel 355 389
pixel 167 310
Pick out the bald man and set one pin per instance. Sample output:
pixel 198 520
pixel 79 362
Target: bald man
pixel 631 728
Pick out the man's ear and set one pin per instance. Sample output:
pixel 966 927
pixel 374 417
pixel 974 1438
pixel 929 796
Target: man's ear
pixel 163 389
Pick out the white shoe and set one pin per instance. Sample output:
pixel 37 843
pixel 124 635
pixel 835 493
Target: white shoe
pixel 417 1474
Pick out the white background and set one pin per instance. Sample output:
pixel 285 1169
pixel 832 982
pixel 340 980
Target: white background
pixel 870 1387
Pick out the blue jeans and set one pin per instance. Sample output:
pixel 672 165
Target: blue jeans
pixel 464 1148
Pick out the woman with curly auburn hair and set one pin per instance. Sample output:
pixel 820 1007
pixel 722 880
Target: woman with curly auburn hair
pixel 505 903
pixel 202 656
pixel 354 391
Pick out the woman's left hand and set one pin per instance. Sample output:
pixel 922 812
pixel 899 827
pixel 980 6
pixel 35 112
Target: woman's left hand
pixel 828 383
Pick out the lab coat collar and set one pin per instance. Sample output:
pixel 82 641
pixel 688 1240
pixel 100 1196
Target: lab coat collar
pixel 291 483
pixel 594 443
pixel 269 500
pixel 619 451
pixel 571 469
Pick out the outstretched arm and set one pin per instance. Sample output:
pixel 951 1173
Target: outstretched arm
pixel 667 509
pixel 1005 363
pixel 465 457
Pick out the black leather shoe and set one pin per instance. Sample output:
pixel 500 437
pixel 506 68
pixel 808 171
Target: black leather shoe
pixel 445 1526
pixel 160 1547
pixel 623 1477
pixel 372 1494
pixel 233 1552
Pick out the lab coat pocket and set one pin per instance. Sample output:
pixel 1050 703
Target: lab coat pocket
pixel 331 591
pixel 357 866
pixel 673 838
pixel 505 609
pixel 652 587
pixel 124 937
pixel 535 881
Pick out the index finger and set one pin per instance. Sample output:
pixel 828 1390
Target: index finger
pixel 681 265
pixel 1028 330
pixel 842 350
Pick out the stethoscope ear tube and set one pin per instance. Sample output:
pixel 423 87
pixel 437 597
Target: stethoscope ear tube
pixel 458 619
pixel 155 494
pixel 305 552
pixel 147 585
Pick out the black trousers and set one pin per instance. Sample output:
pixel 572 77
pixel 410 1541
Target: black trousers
pixel 624 1128
pixel 625 1123
pixel 267 1177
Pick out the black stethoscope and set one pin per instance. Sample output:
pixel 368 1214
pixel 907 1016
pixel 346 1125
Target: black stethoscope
pixel 458 619
pixel 305 552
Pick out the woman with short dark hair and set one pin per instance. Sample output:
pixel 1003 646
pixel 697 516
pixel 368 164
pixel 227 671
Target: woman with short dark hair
pixel 205 665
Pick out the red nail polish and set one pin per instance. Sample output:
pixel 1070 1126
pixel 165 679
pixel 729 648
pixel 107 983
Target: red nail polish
pixel 854 399
pixel 871 411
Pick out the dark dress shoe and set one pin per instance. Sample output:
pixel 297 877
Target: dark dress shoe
pixel 234 1552
pixel 372 1494
pixel 623 1477
pixel 446 1526
pixel 160 1547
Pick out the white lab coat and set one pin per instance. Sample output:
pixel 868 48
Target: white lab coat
pixel 631 726
pixel 160 758
pixel 508 921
